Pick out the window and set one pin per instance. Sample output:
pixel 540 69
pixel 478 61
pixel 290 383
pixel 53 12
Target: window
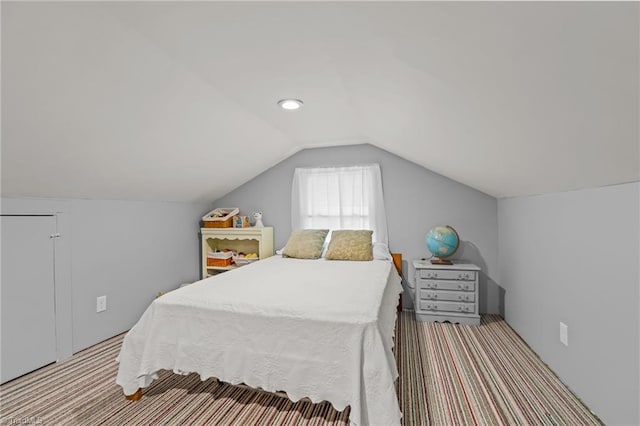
pixel 347 197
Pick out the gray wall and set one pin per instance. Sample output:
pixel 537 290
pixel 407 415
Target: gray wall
pixel 125 250
pixel 573 257
pixel 416 199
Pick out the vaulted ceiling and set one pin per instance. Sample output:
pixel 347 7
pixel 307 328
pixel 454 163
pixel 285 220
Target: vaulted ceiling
pixel 177 101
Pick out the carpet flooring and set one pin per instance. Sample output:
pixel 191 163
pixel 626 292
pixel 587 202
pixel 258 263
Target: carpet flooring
pixel 449 375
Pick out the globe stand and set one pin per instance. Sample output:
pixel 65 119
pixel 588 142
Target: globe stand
pixel 441 262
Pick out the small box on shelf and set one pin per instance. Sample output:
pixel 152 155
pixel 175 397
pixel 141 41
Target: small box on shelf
pixel 220 218
pixel 242 259
pixel 220 258
pixel 241 221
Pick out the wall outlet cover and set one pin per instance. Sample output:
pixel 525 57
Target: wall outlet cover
pixel 564 334
pixel 101 304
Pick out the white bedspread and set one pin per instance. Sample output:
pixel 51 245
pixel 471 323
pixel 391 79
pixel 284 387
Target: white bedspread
pixel 312 328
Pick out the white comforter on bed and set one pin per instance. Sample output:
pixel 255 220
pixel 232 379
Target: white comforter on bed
pixel 313 328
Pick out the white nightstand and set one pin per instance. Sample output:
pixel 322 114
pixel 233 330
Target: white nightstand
pixel 447 292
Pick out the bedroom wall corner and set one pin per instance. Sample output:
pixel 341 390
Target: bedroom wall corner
pixel 416 199
pixel 573 257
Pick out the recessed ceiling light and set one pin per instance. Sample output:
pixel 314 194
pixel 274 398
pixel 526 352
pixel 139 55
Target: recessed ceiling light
pixel 290 104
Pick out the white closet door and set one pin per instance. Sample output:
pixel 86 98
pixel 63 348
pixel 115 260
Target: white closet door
pixel 27 295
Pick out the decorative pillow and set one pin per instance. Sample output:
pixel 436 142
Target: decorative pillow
pixel 381 252
pixel 350 245
pixel 305 243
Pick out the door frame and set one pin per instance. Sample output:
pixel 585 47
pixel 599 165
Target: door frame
pixel 60 209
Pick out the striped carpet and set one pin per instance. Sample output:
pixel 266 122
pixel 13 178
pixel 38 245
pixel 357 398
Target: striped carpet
pixel 449 375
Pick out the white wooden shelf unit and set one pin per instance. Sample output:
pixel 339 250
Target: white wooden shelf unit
pixel 245 240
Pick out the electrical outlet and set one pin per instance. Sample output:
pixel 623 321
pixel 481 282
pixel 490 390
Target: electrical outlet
pixel 101 304
pixel 564 334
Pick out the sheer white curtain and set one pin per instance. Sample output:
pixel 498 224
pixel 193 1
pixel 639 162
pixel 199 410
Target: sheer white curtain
pixel 347 197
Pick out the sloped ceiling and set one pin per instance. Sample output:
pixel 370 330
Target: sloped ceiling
pixel 177 101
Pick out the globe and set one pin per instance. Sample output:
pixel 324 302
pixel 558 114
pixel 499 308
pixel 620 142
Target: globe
pixel 442 242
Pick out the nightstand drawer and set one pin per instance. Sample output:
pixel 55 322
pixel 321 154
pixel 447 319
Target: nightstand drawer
pixel 427 305
pixel 447 285
pixel 447 275
pixel 453 296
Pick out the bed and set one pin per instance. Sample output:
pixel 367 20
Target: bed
pixel 317 329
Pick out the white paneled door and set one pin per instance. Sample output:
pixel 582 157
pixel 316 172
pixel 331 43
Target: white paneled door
pixel 27 295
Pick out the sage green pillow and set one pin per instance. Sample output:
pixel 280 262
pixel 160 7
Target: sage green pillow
pixel 350 245
pixel 305 243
